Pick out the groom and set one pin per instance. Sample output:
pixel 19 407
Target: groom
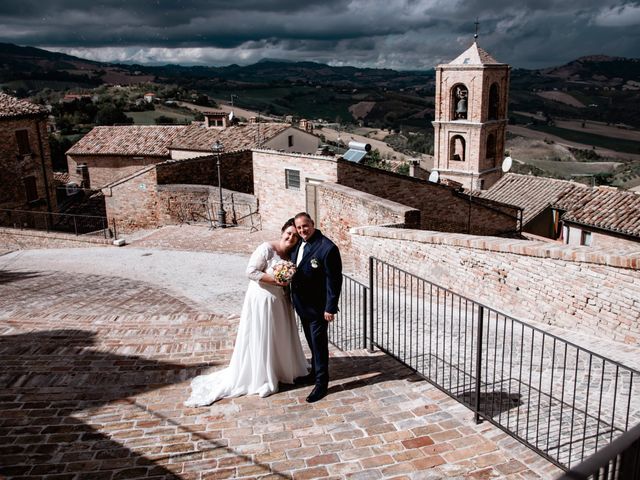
pixel 315 291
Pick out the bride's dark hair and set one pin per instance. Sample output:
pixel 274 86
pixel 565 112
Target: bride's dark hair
pixel 287 224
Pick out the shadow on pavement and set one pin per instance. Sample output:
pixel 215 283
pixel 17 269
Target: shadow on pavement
pixel 47 379
pixel 7 276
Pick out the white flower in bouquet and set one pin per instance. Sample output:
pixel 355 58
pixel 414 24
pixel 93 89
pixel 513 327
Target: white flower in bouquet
pixel 284 270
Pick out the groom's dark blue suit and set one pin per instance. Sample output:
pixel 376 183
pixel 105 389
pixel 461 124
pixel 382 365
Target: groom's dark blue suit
pixel 315 290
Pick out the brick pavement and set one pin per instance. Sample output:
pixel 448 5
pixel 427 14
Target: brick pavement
pixel 98 394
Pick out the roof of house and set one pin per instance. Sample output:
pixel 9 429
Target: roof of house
pixel 14 107
pixel 604 208
pixel 474 55
pixel 234 138
pixel 532 194
pixel 148 140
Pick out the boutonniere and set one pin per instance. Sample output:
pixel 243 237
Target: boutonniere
pixel 314 263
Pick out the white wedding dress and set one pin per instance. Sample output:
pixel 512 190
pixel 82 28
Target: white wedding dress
pixel 267 349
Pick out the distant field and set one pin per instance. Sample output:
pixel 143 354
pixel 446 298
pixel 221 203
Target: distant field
pixel 149 117
pixel 304 101
pixel 562 97
pixel 586 138
pixel 566 169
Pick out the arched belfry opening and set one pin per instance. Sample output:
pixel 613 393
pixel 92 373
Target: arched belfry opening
pixel 459 102
pixel 494 102
pixel 471 118
pixel 457 148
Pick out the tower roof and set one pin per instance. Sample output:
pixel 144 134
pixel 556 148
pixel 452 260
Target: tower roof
pixel 474 55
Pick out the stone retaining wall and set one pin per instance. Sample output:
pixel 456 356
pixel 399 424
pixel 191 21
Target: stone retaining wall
pixel 594 291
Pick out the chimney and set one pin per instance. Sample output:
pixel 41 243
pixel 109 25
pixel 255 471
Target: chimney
pixel 219 120
pixel 253 120
pixel 306 125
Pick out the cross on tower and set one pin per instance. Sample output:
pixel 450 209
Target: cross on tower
pixel 476 23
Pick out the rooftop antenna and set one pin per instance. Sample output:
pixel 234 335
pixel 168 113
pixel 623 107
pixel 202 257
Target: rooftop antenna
pixel 476 34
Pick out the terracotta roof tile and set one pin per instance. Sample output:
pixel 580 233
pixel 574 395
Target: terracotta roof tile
pixel 149 140
pixel 14 107
pixel 604 208
pixel 532 194
pixel 235 138
pixel 60 178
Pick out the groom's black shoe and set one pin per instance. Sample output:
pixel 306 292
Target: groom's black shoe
pixel 308 379
pixel 318 393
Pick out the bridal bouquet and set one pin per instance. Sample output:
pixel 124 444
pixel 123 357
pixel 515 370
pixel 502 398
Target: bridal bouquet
pixel 284 270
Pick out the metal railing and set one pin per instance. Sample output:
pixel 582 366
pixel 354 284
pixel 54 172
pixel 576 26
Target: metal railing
pixel 58 222
pixel 620 460
pixel 349 330
pixel 558 398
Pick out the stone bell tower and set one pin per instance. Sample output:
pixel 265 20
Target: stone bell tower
pixel 471 118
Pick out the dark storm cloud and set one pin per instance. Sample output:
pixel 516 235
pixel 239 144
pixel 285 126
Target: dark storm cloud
pixel 391 33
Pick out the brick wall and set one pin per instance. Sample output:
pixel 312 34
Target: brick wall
pixel 133 202
pixel 594 291
pixel 14 168
pixel 138 202
pixel 14 239
pixel 441 208
pixel 278 203
pixel 340 208
pixel 188 203
pixel 235 168
pixel 476 128
pixel 106 169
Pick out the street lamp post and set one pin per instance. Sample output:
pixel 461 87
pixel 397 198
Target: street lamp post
pixel 217 150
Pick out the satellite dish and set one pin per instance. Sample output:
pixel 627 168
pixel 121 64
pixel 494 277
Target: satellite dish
pixel 71 189
pixel 506 164
pixel 231 115
pixel 434 176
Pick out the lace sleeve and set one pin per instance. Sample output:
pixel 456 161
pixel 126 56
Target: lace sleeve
pixel 258 263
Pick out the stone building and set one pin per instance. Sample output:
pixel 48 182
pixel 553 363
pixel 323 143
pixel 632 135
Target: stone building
pixel 571 212
pixel 471 118
pixel 341 194
pixel 600 217
pixel 107 154
pixel 26 176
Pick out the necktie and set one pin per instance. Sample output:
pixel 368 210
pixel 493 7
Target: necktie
pixel 300 253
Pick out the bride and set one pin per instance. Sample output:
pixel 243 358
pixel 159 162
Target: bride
pixel 267 349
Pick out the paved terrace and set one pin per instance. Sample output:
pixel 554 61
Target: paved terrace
pixel 98 346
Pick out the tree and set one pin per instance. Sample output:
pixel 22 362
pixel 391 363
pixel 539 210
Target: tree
pixel 165 120
pixel 110 115
pixel 58 147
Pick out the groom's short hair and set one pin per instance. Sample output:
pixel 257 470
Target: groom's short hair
pixel 305 215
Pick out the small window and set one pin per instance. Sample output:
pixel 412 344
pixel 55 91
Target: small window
pixel 585 238
pixel 22 136
pixel 30 188
pixel 292 179
pixel 291 140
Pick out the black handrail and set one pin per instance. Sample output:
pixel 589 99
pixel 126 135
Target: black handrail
pixel 618 460
pixel 562 400
pixel 59 222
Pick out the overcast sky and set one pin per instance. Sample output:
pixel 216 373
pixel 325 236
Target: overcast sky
pixel 399 34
